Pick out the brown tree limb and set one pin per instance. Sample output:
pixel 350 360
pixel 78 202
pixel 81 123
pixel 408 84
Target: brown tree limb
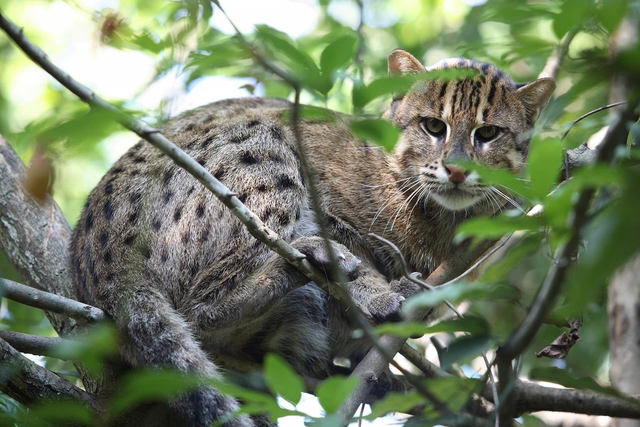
pixel 28 383
pixel 50 302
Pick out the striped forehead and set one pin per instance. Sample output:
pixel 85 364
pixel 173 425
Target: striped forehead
pixel 469 97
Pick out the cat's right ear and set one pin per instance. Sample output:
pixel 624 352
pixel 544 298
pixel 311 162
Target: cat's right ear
pixel 402 63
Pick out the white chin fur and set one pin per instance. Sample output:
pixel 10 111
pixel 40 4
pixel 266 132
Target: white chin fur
pixel 455 203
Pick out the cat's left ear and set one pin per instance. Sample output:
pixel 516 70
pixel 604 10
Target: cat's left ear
pixel 535 95
pixel 402 63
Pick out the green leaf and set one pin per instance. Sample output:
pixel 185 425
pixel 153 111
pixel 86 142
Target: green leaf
pixel 573 13
pixel 564 378
pixel 503 179
pixel 395 402
pixel 63 412
pixel 543 166
pixel 338 54
pixel 453 391
pixel 473 325
pixel 145 386
pixel 384 86
pixel 495 227
pixel 378 131
pixel 611 13
pixel 458 292
pixel 333 391
pixel 282 379
pixel 464 349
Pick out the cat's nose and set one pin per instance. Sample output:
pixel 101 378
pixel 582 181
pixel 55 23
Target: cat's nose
pixel 457 174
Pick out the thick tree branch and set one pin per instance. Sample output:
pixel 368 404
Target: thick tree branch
pixel 50 302
pixel 28 383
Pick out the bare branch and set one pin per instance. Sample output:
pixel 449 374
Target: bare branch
pixel 552 67
pixel 29 383
pixel 32 344
pixel 50 302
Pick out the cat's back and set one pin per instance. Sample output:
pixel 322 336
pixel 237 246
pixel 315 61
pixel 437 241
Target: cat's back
pixel 148 217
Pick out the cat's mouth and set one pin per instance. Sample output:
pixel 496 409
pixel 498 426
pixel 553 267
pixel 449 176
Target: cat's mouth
pixel 456 198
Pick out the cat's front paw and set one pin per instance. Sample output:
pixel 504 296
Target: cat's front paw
pixel 315 249
pixel 406 287
pixel 385 307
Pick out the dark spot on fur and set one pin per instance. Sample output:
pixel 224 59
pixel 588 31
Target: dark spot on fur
pixel 266 214
pixel 135 173
pixel 285 182
pixel 443 89
pixel 116 170
pixel 239 139
pixel 276 158
pixel 253 123
pixel 108 210
pixel 165 256
pixel 202 161
pixel 205 235
pixel 167 197
pixel 133 218
pixel 242 198
pixel 110 277
pixel 262 188
pixel 284 218
pixel 103 240
pixel 139 159
pixel 430 175
pixel 157 224
pixel 88 223
pixel 135 197
pixel 186 237
pixel 146 252
pixel 219 174
pixel 129 240
pixel 177 214
pixel 200 210
pixel 276 133
pixel 107 257
pixel 96 279
pixel 190 192
pixel 167 176
pixel 108 187
pixel 248 159
pixel 189 127
pixel 297 214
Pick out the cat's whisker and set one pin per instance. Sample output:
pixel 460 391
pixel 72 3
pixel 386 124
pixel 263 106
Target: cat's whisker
pixel 392 199
pixel 507 198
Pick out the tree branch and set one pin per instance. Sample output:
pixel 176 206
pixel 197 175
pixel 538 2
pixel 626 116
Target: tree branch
pixel 50 302
pixel 32 344
pixel 28 383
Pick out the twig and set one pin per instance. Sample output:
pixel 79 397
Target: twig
pixel 50 302
pixel 32 344
pixel 29 383
pixel 552 67
pixel 584 116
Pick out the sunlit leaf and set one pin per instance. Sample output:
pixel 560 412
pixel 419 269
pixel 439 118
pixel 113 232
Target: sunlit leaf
pixel 463 349
pixel 333 391
pixel 458 292
pixel 543 166
pixel 282 379
pixel 473 325
pixel 378 131
pixel 338 54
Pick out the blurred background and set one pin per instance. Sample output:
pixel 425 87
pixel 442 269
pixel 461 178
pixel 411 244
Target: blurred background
pixel 157 58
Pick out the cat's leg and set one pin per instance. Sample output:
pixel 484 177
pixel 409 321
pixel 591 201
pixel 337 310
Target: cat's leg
pixel 155 335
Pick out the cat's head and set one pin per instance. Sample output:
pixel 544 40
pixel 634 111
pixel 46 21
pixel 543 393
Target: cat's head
pixel 461 111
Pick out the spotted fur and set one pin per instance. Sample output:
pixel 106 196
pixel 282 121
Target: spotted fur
pixel 189 287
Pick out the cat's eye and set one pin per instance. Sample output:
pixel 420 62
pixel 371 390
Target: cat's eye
pixel 486 133
pixel 433 127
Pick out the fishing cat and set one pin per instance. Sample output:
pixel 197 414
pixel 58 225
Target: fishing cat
pixel 185 282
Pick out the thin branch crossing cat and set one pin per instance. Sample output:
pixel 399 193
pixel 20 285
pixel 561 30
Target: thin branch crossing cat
pixel 187 285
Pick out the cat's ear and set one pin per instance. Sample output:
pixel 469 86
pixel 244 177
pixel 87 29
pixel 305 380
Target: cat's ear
pixel 402 63
pixel 535 95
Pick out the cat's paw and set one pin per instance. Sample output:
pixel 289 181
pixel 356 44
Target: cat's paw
pixel 203 407
pixel 385 307
pixel 315 249
pixel 406 287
